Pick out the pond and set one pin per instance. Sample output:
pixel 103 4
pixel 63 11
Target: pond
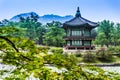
pixel 115 69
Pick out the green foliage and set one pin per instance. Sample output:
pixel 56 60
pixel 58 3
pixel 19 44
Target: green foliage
pixel 34 29
pixel 89 57
pixel 43 49
pixel 61 60
pixel 50 34
pixel 115 35
pixel 111 48
pixel 108 33
pixel 54 35
pixel 117 50
pixel 33 62
pixel 78 54
pixel 96 73
pixel 28 58
pixel 75 74
pixel 56 50
pixel 4 22
pixel 101 39
pixel 104 55
pixel 11 31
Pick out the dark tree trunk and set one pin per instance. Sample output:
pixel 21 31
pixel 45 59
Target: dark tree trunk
pixel 107 45
pixel 40 41
pixel 13 45
pixel 10 42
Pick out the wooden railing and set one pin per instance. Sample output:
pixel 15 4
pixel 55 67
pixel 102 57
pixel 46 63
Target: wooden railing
pixel 80 47
pixel 78 37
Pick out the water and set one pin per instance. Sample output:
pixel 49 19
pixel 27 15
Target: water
pixel 115 69
pixel 9 68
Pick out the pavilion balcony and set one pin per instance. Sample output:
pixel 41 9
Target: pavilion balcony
pixel 78 37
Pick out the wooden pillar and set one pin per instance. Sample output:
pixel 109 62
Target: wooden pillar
pixel 83 36
pixel 70 42
pixel 82 42
pixel 90 42
pixel 70 36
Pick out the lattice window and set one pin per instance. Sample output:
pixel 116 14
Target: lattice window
pixel 86 32
pixel 76 33
pixel 76 42
pixel 87 43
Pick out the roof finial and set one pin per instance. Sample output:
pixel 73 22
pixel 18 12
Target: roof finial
pixel 78 12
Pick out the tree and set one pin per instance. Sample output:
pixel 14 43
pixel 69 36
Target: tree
pixel 107 28
pixel 54 34
pixel 4 22
pixel 40 32
pixel 11 31
pixel 1 24
pixel 34 29
pixel 30 59
pixel 116 37
pixel 101 39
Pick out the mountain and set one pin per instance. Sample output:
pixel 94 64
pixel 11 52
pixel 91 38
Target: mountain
pixel 24 15
pixel 43 19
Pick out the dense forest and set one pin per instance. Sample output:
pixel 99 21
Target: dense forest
pixel 25 44
pixel 50 34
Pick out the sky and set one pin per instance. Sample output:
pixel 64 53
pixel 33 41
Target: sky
pixel 94 10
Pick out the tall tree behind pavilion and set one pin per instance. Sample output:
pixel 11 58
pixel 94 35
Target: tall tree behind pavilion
pixel 106 28
pixel 34 29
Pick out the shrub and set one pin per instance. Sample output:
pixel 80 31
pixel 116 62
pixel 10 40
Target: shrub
pixel 78 54
pixel 43 49
pixel 61 60
pixel 104 55
pixel 89 57
pixel 117 50
pixel 56 50
pixel 111 48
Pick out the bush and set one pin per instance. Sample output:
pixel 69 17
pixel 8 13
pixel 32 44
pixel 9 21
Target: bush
pixel 78 54
pixel 43 49
pixel 104 55
pixel 89 57
pixel 56 50
pixel 61 60
pixel 112 49
pixel 117 50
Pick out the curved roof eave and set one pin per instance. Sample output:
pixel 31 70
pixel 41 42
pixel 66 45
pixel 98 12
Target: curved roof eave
pixel 78 21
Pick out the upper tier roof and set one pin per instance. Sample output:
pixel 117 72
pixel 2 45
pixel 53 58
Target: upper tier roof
pixel 78 21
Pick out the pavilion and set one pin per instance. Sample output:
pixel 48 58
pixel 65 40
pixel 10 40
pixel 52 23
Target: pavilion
pixel 78 32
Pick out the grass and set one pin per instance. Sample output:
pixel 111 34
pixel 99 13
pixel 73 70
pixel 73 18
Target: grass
pixel 115 59
pixel 80 55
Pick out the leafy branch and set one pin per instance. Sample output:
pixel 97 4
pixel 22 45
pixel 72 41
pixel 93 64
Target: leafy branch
pixel 13 45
